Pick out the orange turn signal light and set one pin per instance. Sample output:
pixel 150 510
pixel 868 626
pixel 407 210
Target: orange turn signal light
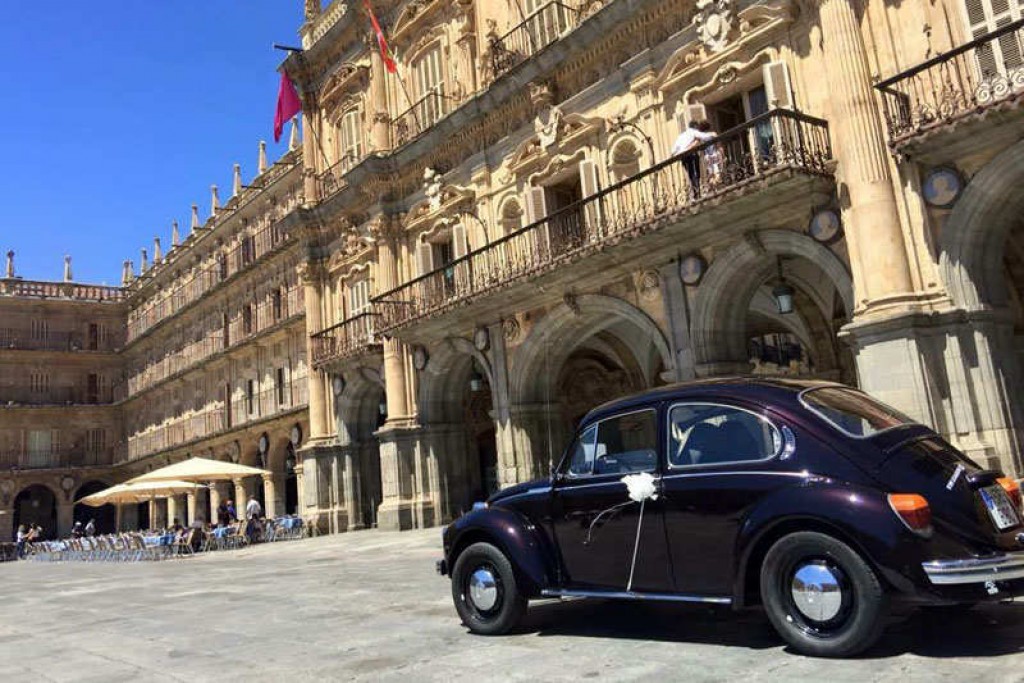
pixel 913 509
pixel 1012 489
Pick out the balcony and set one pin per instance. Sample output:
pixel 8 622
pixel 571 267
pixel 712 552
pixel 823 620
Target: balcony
pixel 969 82
pixel 21 339
pixel 769 170
pixel 59 290
pixel 420 117
pixel 269 315
pixel 25 459
pixel 210 422
pixel 56 396
pixel 331 180
pixel 348 339
pixel 541 28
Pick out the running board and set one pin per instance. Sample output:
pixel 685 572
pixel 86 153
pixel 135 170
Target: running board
pixel 631 595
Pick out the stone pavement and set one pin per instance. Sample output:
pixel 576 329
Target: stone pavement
pixel 368 606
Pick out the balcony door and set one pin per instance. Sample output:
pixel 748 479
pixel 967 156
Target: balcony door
pixel 1000 57
pixel 429 83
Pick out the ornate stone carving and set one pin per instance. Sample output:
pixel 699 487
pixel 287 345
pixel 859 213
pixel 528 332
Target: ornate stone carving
pixel 432 187
pixel 510 328
pixel 648 283
pixel 547 126
pixel 715 22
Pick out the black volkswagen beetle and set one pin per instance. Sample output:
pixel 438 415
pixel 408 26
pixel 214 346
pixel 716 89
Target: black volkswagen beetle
pixel 809 498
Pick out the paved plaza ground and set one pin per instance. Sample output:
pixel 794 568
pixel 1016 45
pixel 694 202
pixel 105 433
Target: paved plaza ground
pixel 369 606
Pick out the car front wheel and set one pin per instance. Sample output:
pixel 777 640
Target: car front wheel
pixel 484 588
pixel 821 596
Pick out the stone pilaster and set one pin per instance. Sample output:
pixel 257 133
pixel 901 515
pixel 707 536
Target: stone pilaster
pixel 378 117
pixel 313 292
pixel 65 519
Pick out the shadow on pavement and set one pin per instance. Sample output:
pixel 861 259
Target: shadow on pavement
pixel 986 631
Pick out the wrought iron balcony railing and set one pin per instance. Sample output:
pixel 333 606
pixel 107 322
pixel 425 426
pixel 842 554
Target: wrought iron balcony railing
pixel 25 339
pixel 970 78
pixel 332 180
pixel 418 118
pixel 643 203
pixel 56 396
pixel 27 459
pixel 541 28
pixel 344 340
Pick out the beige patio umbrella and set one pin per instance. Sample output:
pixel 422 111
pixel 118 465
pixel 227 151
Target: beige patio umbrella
pixel 138 492
pixel 200 470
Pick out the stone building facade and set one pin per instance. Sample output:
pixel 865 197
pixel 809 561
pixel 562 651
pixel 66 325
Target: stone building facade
pixel 479 247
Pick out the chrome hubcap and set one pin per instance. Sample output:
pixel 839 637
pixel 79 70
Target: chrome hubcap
pixel 817 592
pixel 483 589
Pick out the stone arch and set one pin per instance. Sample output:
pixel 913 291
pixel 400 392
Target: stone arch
pixel 721 306
pixel 104 517
pixel 37 504
pixel 358 406
pixel 974 236
pixel 448 372
pixel 560 332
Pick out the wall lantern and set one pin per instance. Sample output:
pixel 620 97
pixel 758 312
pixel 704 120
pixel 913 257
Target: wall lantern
pixel 783 293
pixel 476 382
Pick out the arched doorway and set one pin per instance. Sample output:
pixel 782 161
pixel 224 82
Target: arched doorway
pixel 104 517
pixel 585 352
pixel 773 305
pixel 291 481
pixel 36 504
pixel 361 409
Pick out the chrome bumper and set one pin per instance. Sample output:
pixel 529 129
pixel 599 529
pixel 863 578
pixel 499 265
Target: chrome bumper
pixel 1002 567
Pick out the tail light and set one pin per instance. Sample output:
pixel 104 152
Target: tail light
pixel 913 511
pixel 1012 490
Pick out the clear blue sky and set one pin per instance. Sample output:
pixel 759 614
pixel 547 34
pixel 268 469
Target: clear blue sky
pixel 119 115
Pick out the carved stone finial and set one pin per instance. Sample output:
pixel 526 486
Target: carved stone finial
pixel 236 182
pixel 67 269
pixel 126 272
pixel 175 235
pixel 9 271
pixel 144 264
pixel 261 160
pixel 214 200
pixel 313 9
pixel 293 140
pixel 158 255
pixel 195 219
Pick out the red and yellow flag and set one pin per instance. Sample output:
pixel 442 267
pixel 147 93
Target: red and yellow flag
pixel 382 43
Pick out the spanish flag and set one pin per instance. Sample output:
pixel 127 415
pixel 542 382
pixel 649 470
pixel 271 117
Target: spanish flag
pixel 382 43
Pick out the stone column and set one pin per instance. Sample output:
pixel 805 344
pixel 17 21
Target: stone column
pixel 394 357
pixel 377 116
pixel 65 519
pixel 214 493
pixel 172 510
pixel 273 489
pixel 877 248
pixel 191 506
pixel 313 291
pixel 240 498
pixel 309 152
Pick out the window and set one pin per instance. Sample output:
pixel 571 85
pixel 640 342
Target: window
pixel 40 382
pixel 278 298
pixel 351 149
pixel 40 446
pixel 40 329
pixel 707 434
pixel 852 412
pixel 618 445
pixel 429 83
pixel 279 386
pixel 247 319
pixel 358 297
pixel 95 441
pixel 985 16
pixel 250 396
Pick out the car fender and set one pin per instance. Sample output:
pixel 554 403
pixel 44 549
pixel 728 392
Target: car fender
pixel 857 515
pixel 525 546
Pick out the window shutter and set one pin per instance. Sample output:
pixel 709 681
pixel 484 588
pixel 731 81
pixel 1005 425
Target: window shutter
pixel 777 85
pixel 589 186
pixel 536 206
pixel 424 257
pixel 459 240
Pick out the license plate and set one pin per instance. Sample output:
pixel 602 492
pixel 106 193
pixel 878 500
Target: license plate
pixel 999 507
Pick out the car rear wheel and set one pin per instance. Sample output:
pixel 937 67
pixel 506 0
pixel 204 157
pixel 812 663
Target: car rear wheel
pixel 821 596
pixel 484 588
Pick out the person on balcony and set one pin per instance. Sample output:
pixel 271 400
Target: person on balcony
pixel 689 139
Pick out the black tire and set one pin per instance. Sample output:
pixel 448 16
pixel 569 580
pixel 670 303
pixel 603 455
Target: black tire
pixel 510 604
pixel 858 621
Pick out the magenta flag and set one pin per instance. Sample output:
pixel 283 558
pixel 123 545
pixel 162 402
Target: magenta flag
pixel 288 105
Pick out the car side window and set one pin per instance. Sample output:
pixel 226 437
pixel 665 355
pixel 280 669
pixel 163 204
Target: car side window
pixel 708 434
pixel 581 461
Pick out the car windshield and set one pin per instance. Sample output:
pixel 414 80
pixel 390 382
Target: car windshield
pixel 853 412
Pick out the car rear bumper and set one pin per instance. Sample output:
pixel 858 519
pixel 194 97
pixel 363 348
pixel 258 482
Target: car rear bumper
pixel 975 570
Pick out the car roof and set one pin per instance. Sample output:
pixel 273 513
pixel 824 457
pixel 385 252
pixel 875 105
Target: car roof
pixel 766 389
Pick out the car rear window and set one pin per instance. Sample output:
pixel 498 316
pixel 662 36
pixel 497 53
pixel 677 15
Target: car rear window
pixel 853 412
